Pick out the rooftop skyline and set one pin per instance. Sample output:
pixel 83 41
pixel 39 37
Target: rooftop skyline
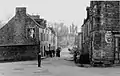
pixel 67 11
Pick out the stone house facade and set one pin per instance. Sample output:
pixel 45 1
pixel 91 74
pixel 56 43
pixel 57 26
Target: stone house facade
pixel 86 33
pixel 19 38
pixel 103 18
pixel 52 39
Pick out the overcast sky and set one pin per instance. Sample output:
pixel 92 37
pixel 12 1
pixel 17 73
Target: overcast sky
pixel 67 11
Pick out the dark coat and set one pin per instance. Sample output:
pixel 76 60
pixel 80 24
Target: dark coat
pixel 84 59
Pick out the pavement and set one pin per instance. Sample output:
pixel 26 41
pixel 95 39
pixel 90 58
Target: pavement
pixel 56 66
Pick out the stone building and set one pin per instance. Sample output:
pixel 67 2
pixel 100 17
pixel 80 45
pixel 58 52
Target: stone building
pixel 103 25
pixel 78 40
pixel 19 38
pixel 42 33
pixel 52 39
pixel 85 29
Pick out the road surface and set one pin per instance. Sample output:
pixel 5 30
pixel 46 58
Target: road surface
pixel 55 67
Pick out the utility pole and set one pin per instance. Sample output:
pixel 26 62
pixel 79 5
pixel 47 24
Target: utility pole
pixel 39 54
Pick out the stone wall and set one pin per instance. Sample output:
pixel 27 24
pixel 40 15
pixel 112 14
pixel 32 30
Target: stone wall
pixel 23 52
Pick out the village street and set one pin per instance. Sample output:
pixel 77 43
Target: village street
pixel 62 66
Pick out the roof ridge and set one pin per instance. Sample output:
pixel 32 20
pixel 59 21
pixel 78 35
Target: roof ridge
pixel 34 21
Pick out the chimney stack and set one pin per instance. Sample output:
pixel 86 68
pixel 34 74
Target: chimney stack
pixel 35 16
pixel 88 10
pixel 21 11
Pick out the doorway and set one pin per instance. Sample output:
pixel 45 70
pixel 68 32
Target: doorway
pixel 117 50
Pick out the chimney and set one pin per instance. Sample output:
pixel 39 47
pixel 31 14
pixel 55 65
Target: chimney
pixel 21 11
pixel 35 16
pixel 88 11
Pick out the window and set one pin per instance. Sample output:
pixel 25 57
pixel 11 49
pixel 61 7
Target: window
pixel 42 37
pixel 98 11
pixel 98 19
pixel 31 32
pixel 97 40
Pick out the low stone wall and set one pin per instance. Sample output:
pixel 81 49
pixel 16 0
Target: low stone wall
pixel 16 53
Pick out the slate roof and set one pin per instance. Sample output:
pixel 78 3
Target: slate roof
pixel 37 21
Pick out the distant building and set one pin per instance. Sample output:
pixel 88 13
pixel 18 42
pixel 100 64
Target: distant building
pixel 78 40
pixel 20 36
pixel 52 39
pixel 72 35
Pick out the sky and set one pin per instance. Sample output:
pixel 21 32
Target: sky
pixel 67 11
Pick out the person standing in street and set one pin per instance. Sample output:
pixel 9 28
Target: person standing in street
pixel 39 55
pixel 50 51
pixel 75 56
pixel 58 52
pixel 39 59
pixel 53 51
pixel 47 51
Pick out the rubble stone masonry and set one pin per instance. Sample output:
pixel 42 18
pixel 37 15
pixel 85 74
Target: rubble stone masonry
pixel 14 40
